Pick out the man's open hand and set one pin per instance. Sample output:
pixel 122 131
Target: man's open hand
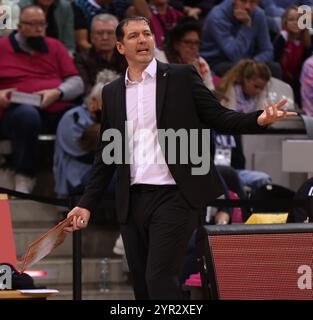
pixel 273 113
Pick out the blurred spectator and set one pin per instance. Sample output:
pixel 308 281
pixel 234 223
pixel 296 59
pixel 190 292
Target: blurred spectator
pixel 243 86
pixel 102 54
pixel 76 141
pixel 197 9
pixel 60 20
pixel 162 17
pixel 273 15
pixel 33 63
pixel 307 86
pixel 291 48
pixel 85 10
pixel 183 47
pixel 11 24
pixel 235 30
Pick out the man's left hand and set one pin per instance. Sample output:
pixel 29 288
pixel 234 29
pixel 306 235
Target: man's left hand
pixel 273 113
pixel 49 96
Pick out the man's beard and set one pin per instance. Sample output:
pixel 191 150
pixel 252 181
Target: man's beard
pixel 36 43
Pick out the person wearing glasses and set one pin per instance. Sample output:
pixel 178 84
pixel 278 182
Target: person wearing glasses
pixel 60 20
pixel 33 63
pixel 183 47
pixel 102 54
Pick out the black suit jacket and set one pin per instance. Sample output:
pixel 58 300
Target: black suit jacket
pixel 182 101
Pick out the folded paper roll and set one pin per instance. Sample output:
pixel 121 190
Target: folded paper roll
pixel 44 245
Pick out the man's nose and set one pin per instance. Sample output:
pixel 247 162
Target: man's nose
pixel 141 38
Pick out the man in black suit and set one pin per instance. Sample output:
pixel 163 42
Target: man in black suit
pixel 156 202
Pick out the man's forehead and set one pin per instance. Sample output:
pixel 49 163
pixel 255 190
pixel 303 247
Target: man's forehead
pixel 135 26
pixel 33 14
pixel 104 24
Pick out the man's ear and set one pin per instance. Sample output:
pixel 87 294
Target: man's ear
pixel 120 47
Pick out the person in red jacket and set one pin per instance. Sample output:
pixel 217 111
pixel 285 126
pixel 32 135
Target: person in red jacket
pixel 33 63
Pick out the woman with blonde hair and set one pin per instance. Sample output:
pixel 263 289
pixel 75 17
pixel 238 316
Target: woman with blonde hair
pixel 243 87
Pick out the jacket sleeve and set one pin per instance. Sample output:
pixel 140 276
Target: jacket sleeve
pixel 213 115
pixel 101 174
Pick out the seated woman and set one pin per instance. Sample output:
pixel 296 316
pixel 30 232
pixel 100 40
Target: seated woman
pixel 183 46
pixel 244 87
pixel 76 141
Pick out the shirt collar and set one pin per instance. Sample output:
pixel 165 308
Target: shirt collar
pixel 149 71
pixel 19 45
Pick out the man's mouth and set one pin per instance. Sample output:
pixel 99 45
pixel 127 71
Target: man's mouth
pixel 144 50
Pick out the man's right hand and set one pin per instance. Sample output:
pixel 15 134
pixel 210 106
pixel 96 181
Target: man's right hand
pixel 243 16
pixel 4 97
pixel 80 220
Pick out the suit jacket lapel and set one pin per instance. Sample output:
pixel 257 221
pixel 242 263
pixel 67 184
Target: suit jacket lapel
pixel 121 114
pixel 161 85
pixel 121 118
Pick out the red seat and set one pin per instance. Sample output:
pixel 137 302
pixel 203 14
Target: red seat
pixel 8 249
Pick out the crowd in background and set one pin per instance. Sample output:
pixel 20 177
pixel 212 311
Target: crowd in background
pixel 65 52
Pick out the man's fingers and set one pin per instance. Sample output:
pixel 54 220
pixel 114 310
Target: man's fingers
pixel 81 222
pixel 9 89
pixel 291 113
pixel 281 103
pixel 274 111
pixel 268 112
pixel 74 222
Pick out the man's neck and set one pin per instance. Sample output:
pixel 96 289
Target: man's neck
pixel 135 72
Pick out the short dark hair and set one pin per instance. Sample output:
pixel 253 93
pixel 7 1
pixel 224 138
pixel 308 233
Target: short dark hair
pixel 119 31
pixel 174 36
